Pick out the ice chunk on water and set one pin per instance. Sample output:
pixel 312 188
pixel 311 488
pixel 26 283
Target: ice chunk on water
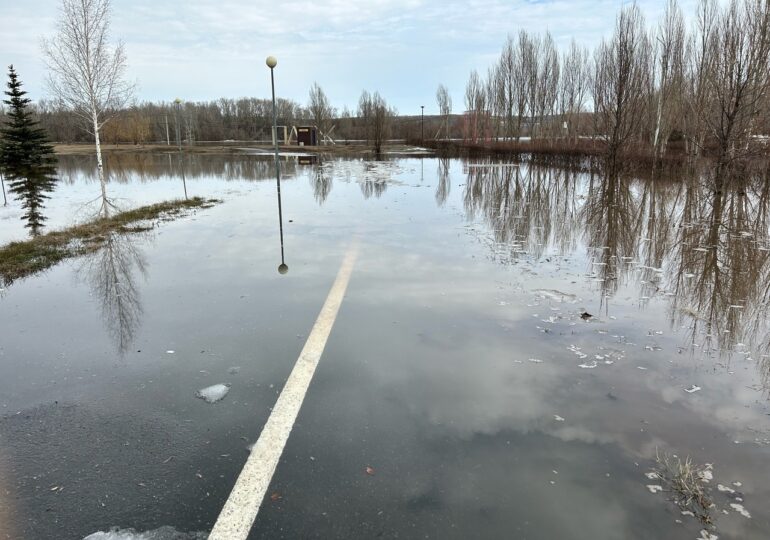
pixel 163 533
pixel 214 393
pixel 693 388
pixel 654 488
pixel 740 509
pixel 555 295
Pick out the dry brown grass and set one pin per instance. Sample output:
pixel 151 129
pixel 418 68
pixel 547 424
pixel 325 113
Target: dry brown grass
pixel 684 480
pixel 21 259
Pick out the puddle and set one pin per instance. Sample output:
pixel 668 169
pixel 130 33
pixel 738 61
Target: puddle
pixel 503 321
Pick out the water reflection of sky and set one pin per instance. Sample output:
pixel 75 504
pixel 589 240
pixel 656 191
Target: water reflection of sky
pixel 469 272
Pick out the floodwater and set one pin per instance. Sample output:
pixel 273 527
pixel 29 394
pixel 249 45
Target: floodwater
pixel 464 391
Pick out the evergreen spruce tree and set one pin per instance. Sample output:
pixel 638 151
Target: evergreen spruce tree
pixel 27 159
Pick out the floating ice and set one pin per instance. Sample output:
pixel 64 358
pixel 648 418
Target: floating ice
pixel 725 489
pixel 163 533
pixel 214 393
pixel 588 365
pixel 706 475
pixel 654 488
pixel 170 352
pixel 693 388
pixel 535 361
pixel 555 295
pixel 740 509
pixel 652 475
pixel 558 418
pixel 705 535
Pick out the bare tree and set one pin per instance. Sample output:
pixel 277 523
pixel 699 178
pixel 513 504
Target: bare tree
pixel 573 86
pixel 699 66
pixel 668 73
pixel 444 101
pixel 546 81
pixel 475 105
pixel 496 99
pixel 320 109
pixel 365 113
pixel 739 78
pixel 620 82
pixel 382 117
pixel 87 74
pixel 377 116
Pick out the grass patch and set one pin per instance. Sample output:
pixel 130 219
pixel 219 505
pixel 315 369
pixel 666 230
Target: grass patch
pixel 687 484
pixel 21 259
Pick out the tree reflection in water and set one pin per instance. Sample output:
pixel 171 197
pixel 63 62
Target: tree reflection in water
pixel 444 182
pixel 526 208
pixel 147 167
pixel 321 182
pixel 697 239
pixel 374 188
pixel 111 273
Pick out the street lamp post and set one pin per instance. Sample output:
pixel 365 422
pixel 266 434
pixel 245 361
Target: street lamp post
pixel 422 122
pixel 271 62
pixel 177 103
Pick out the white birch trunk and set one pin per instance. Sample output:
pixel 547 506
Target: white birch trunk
pixel 100 165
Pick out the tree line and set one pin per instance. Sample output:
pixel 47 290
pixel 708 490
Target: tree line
pixel 702 88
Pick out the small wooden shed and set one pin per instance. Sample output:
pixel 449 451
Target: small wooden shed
pixel 307 135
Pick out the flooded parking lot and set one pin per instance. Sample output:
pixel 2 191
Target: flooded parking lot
pixel 518 348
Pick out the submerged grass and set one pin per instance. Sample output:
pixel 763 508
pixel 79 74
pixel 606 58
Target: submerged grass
pixel 687 483
pixel 21 259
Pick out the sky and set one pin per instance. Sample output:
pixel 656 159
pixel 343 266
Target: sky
pixel 205 49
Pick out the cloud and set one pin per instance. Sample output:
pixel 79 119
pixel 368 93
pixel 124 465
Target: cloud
pixel 200 49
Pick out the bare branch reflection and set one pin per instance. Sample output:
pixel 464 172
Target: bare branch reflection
pixel 612 229
pixel 321 182
pixel 444 182
pixel 696 239
pixel 525 207
pixel 373 188
pixel 141 167
pixel 111 273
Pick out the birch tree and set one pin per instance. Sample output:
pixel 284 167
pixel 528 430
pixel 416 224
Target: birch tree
pixel 87 73
pixel 444 101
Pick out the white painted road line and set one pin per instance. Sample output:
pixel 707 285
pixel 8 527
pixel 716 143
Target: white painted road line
pixel 241 508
